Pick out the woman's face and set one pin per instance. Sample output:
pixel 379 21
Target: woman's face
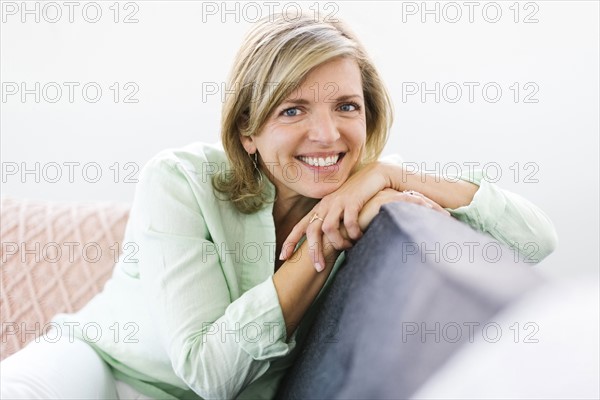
pixel 315 137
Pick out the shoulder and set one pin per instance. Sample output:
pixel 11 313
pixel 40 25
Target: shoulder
pixel 194 157
pixel 196 162
pixel 183 175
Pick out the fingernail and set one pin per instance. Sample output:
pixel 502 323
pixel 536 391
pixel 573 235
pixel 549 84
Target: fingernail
pixel 318 267
pixel 281 256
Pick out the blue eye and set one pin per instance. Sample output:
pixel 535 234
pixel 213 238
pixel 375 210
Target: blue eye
pixel 291 112
pixel 349 107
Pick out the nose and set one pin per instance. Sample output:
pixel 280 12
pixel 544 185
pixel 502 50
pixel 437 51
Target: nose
pixel 323 128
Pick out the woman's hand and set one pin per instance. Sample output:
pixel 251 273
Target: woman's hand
pixel 314 226
pixel 371 209
pixel 342 205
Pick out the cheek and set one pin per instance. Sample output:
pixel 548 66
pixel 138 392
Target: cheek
pixel 356 127
pixel 280 142
pixel 358 134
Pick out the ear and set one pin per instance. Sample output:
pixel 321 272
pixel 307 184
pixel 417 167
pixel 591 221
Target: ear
pixel 248 143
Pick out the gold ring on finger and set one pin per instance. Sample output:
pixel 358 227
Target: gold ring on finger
pixel 314 217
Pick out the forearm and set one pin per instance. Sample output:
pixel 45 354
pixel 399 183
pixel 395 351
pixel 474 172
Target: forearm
pixel 298 283
pixel 448 193
pixel 506 216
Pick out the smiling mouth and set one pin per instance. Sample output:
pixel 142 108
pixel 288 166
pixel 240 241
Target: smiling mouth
pixel 321 161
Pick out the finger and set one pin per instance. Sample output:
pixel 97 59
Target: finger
pixel 339 243
pixel 344 234
pixel 293 238
pixel 436 206
pixel 351 222
pixel 414 199
pixel 423 200
pixel 314 237
pixel 432 204
pixel 331 228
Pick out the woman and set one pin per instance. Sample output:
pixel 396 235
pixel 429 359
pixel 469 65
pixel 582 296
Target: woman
pixel 206 308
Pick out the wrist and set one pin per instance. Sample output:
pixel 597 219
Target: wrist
pixel 329 251
pixel 391 175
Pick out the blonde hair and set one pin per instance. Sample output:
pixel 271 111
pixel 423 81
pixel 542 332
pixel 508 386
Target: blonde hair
pixel 273 61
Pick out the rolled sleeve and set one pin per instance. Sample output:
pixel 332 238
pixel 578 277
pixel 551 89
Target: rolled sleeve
pixel 264 331
pixel 509 218
pixel 487 205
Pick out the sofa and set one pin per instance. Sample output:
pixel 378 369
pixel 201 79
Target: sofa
pixel 414 295
pixel 410 296
pixel 425 307
pixel 55 257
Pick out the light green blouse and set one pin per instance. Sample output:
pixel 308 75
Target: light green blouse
pixel 191 310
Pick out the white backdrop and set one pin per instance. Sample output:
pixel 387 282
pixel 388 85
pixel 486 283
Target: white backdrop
pixel 100 87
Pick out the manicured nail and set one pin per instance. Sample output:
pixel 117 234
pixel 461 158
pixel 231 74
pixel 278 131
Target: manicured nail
pixel 281 255
pixel 318 267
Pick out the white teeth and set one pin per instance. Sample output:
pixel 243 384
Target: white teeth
pixel 320 161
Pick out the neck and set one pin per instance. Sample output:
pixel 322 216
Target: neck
pixel 288 211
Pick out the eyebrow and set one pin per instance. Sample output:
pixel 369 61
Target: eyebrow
pixel 304 101
pixel 348 97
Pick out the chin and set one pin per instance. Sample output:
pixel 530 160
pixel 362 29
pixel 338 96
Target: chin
pixel 320 192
